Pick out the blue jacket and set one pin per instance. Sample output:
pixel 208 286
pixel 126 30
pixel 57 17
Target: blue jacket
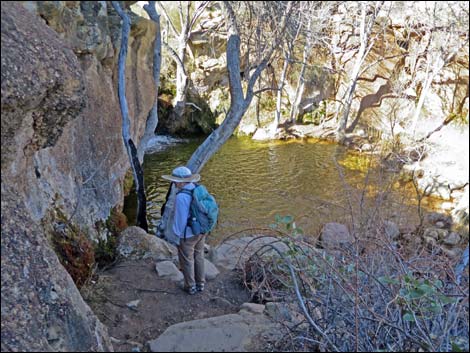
pixel 182 203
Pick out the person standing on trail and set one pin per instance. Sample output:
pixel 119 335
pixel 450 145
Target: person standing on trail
pixel 191 246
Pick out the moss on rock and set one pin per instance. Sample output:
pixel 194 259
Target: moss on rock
pixel 105 248
pixel 73 248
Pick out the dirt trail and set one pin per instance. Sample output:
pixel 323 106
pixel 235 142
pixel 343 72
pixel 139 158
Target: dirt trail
pixel 162 302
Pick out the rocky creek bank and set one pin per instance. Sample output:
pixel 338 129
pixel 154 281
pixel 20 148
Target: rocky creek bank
pixel 141 301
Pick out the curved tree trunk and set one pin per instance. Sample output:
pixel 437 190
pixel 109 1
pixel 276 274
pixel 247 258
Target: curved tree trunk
pixel 217 138
pixel 299 90
pixel 370 101
pixel 422 97
pixel 238 106
pixel 126 136
pixel 341 130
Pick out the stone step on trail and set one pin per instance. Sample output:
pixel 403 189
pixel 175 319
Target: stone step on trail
pixel 239 332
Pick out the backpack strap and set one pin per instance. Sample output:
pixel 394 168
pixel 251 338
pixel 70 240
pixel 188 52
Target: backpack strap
pixel 185 191
pixel 190 193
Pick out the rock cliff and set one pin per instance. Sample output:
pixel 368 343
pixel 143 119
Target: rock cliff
pixel 62 154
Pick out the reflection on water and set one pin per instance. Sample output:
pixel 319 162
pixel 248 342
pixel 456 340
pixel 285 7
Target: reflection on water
pixel 253 181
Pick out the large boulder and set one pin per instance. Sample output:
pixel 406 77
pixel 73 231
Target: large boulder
pixel 210 270
pixel 135 244
pixel 228 333
pixel 42 309
pixel 82 25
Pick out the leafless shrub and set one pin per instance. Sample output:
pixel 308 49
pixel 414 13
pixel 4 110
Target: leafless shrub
pixel 365 298
pixel 371 295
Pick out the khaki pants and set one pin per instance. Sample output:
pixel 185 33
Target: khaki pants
pixel 191 257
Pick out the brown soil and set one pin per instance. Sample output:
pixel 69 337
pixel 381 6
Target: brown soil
pixel 162 302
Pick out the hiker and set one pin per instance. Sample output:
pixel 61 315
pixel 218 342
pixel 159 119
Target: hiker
pixel 191 246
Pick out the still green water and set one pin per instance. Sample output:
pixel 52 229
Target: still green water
pixel 315 182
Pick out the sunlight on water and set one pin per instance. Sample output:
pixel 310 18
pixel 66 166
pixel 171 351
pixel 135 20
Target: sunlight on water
pixel 254 181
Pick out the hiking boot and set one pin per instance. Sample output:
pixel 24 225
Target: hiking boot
pixel 200 287
pixel 191 290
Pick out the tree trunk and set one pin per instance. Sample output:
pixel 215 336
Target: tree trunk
pixel 182 82
pixel 299 90
pixel 365 46
pixel 179 56
pixel 152 119
pixel 429 78
pixel 341 131
pixel 422 97
pixel 216 139
pixel 370 101
pixel 129 144
pixel 277 120
pixel 238 106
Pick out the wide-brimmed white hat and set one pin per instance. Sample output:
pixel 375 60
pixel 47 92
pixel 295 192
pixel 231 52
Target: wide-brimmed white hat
pixel 182 175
